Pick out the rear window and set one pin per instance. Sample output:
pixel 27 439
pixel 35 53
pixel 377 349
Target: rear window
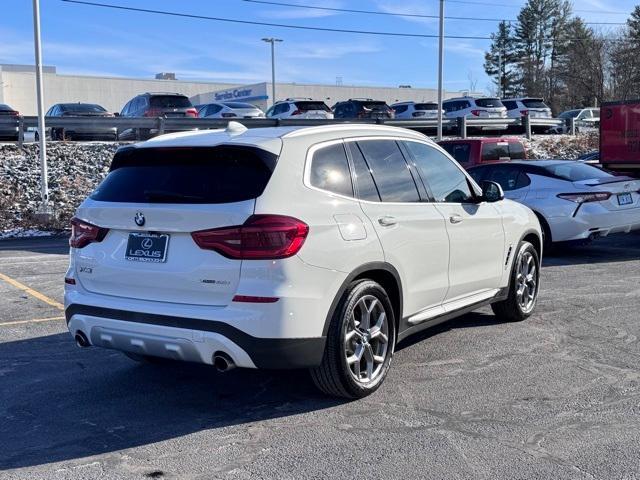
pixel 223 174
pixel 169 101
pixel 489 103
pixel 5 108
pixel 375 106
pixel 307 106
pixel 576 172
pixel 426 106
pixel 534 103
pixel 82 108
pixel 460 151
pixel 495 151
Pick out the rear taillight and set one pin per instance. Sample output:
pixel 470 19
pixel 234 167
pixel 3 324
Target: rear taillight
pixel 418 114
pixel 83 233
pixel 192 112
pixel 585 197
pixel 261 237
pixel 296 112
pixel 524 113
pixel 229 115
pixel 476 113
pixel 153 112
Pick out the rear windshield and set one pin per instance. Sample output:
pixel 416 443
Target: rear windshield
pixel 489 102
pixel 169 101
pixel 223 174
pixel 426 106
pixel 82 108
pixel 576 172
pixel 307 106
pixel 460 151
pixel 534 103
pixel 238 105
pixel 5 108
pixel 569 114
pixel 375 106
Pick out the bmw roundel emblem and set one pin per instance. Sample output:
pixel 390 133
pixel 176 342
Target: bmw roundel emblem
pixel 139 219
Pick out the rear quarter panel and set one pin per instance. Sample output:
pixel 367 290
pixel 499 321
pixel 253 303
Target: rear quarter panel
pixel 330 217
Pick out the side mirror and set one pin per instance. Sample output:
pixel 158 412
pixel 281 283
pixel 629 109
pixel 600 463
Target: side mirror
pixel 116 114
pixel 492 192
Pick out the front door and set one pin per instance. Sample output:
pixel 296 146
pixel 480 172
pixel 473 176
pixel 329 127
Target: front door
pixel 476 235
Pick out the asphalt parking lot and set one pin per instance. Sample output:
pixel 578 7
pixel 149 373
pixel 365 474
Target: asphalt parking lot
pixel 557 396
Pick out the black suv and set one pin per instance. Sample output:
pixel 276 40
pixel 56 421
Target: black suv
pixel 362 108
pixel 166 105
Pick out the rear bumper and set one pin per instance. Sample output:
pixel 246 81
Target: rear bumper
pixel 189 339
pixel 593 220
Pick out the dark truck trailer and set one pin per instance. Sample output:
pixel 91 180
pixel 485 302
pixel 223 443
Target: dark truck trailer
pixel 620 137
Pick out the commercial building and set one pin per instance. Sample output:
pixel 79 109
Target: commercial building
pixel 17 88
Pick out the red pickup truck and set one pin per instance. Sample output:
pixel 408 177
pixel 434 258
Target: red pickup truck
pixel 476 151
pixel 620 137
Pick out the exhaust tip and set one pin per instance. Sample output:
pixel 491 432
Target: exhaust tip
pixel 223 362
pixel 81 339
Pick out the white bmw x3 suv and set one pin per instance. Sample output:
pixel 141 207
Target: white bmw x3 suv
pixel 317 247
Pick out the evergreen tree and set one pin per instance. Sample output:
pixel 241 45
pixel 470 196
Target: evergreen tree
pixel 500 61
pixel 633 23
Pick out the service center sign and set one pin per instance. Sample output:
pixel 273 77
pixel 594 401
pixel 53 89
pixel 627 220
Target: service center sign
pixel 620 132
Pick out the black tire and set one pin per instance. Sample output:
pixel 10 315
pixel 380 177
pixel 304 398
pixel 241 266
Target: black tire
pixel 335 376
pixel 512 309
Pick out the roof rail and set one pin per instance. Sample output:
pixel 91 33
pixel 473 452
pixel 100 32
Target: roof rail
pixel 293 99
pixel 363 98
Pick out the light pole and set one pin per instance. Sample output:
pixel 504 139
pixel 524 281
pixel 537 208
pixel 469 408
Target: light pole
pixel 44 187
pixel 273 41
pixel 440 68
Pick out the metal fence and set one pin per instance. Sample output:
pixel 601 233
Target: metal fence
pixel 20 125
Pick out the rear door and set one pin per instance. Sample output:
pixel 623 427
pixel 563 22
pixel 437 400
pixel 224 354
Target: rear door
pixel 412 232
pixel 476 235
pixel 151 202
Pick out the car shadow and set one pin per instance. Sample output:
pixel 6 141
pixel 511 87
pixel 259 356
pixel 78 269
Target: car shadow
pixel 617 248
pixel 470 320
pixel 56 245
pixel 62 403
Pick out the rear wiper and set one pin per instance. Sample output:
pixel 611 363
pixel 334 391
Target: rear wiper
pixel 163 195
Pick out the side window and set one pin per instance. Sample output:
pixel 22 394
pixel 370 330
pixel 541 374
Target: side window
pixel 492 152
pixel 509 178
pixel 365 186
pixel 390 171
pixel 330 170
pixel 516 151
pixel 460 151
pixel 479 174
pixel 401 108
pixel 447 182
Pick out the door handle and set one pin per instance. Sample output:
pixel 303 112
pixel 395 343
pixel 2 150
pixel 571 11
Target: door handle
pixel 455 218
pixel 387 221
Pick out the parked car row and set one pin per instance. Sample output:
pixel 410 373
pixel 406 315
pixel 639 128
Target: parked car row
pixel 175 105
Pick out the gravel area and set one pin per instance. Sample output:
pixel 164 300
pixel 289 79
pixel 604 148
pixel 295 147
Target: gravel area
pixel 75 169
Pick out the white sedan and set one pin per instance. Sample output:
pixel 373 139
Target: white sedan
pixel 573 200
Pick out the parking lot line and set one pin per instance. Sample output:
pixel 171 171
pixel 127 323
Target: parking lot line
pixel 31 292
pixel 33 320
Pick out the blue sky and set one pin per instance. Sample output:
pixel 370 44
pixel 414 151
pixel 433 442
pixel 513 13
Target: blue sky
pixel 94 41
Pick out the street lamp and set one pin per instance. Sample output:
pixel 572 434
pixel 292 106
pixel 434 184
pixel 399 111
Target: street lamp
pixel 44 187
pixel 272 41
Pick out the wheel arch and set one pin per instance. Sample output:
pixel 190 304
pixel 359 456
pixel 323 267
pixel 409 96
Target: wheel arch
pixel 381 272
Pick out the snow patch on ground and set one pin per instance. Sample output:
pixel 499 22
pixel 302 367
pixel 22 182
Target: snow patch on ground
pixel 24 233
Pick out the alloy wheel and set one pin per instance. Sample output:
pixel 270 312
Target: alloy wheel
pixel 366 339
